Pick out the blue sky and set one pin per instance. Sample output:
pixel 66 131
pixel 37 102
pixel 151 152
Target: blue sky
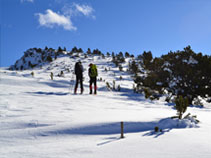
pixel 109 25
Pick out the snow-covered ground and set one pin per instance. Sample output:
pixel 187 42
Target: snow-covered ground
pixel 41 118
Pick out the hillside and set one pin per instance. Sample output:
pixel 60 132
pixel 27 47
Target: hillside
pixel 181 73
pixel 40 117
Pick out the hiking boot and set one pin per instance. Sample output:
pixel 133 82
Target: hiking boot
pixel 95 92
pixel 90 92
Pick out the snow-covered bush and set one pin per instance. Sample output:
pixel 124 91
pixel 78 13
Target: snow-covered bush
pixel 147 93
pixel 49 59
pixel 32 73
pixel 51 75
pixel 108 86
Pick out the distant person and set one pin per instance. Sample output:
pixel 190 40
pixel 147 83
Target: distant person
pixel 93 77
pixel 79 76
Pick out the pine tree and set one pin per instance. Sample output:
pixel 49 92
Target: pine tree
pixel 88 51
pixel 181 105
pixel 147 58
pixel 127 55
pixel 60 50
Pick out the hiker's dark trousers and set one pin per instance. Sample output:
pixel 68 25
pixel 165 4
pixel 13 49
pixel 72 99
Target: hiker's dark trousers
pixel 79 79
pixel 93 80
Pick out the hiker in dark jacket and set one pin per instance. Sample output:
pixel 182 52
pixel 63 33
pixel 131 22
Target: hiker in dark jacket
pixel 93 77
pixel 79 76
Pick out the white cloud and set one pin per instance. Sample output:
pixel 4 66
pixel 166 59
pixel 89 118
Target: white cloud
pixel 52 19
pixel 75 9
pixel 85 9
pixel 27 1
pixel 69 10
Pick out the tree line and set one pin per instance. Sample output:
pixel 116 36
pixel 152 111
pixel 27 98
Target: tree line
pixel 181 73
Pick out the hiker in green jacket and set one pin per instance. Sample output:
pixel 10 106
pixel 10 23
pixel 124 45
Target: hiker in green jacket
pixel 93 77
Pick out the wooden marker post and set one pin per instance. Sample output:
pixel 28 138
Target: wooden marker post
pixel 122 130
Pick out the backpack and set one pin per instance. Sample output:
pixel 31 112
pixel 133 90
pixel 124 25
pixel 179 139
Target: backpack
pixel 93 71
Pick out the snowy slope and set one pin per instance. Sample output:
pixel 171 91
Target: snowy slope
pixel 41 118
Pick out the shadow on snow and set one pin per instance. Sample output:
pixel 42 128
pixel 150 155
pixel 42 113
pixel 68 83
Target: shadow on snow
pixel 166 124
pixel 58 83
pixel 49 93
